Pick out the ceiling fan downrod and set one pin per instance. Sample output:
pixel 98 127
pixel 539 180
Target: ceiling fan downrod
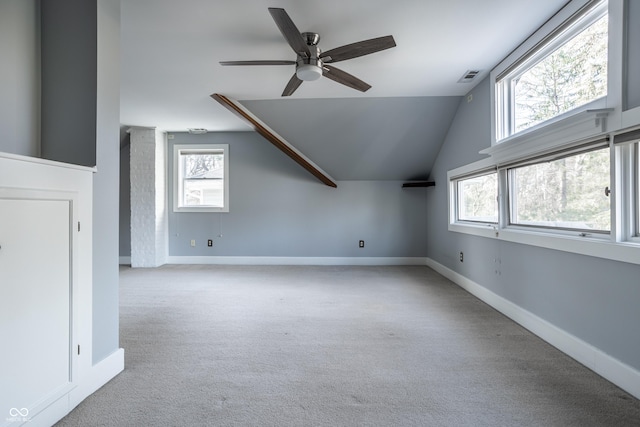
pixel 310 68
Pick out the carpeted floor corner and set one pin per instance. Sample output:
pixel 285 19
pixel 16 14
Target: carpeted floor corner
pixel 334 346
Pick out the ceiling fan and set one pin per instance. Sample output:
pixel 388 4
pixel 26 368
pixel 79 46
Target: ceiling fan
pixel 311 62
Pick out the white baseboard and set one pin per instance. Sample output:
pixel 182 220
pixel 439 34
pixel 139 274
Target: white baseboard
pixel 619 373
pixel 125 260
pixel 260 260
pixel 99 375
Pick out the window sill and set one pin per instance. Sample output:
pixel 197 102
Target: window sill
pixel 630 117
pixel 200 209
pixel 482 230
pixel 599 247
pixel 551 135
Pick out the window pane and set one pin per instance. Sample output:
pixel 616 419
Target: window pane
pixel 204 192
pixel 199 166
pixel 571 76
pixel 203 179
pixel 564 193
pixel 478 198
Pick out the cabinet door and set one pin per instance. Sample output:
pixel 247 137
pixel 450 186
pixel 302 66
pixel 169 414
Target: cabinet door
pixel 35 302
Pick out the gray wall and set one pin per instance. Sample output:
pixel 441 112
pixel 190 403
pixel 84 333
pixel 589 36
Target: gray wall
pixel 633 52
pixel 69 80
pixel 105 181
pixel 591 298
pixel 279 209
pixel 20 77
pixel 125 201
pixel 80 114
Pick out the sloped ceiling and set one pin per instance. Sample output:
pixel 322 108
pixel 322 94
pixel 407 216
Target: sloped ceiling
pixel 366 138
pixel 171 49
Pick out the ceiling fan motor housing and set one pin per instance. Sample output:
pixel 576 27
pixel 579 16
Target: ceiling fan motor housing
pixel 308 69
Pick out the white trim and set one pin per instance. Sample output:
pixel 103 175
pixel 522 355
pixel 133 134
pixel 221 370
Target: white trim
pixel 99 375
pixel 619 373
pixel 557 134
pixel 269 260
pixel 591 246
pixel 630 117
pixel 178 179
pixel 529 45
pixel 556 20
pixel 486 230
pixel 125 260
pixel 46 162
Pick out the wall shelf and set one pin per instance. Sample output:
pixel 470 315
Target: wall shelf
pixel 419 184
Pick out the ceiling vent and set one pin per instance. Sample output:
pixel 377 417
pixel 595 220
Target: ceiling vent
pixel 197 131
pixel 468 76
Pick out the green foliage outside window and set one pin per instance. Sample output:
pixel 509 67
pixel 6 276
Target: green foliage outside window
pixel 571 76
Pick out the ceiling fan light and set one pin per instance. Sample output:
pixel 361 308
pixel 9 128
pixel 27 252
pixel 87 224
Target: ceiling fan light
pixel 308 72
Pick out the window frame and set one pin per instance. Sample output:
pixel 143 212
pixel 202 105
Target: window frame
pixel 568 22
pixel 178 179
pixel 569 132
pixel 456 189
pixel 511 200
pixel 627 175
pixel 635 188
pixel 619 245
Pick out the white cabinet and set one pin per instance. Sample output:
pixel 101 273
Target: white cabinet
pixel 35 303
pixel 45 291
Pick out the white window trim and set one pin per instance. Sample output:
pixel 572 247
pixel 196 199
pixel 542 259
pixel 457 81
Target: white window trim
pixel 575 127
pixel 617 245
pixel 475 228
pixel 176 177
pixel 614 91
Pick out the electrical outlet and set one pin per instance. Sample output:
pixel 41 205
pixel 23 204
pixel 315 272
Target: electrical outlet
pixel 210 242
pixel 193 243
pixel 461 257
pixel 361 243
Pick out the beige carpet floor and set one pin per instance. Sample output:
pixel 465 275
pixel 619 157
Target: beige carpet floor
pixel 334 346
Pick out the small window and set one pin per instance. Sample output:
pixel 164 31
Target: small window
pixel 477 198
pixel 570 193
pixel 201 175
pixel 564 72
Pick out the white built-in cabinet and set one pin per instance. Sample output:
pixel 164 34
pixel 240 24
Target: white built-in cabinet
pixel 45 288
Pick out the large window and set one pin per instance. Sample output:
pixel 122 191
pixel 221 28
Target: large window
pixel 564 71
pixel 477 198
pixel 566 152
pixel 201 178
pixel 569 192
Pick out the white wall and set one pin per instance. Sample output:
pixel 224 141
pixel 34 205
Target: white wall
pixel 148 198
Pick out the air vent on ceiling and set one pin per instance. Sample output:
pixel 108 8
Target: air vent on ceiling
pixel 468 76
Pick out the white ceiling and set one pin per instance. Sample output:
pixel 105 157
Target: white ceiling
pixel 170 51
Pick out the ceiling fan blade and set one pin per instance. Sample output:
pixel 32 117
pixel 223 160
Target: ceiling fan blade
pixel 290 31
pixel 294 83
pixel 344 78
pixel 357 49
pixel 258 62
